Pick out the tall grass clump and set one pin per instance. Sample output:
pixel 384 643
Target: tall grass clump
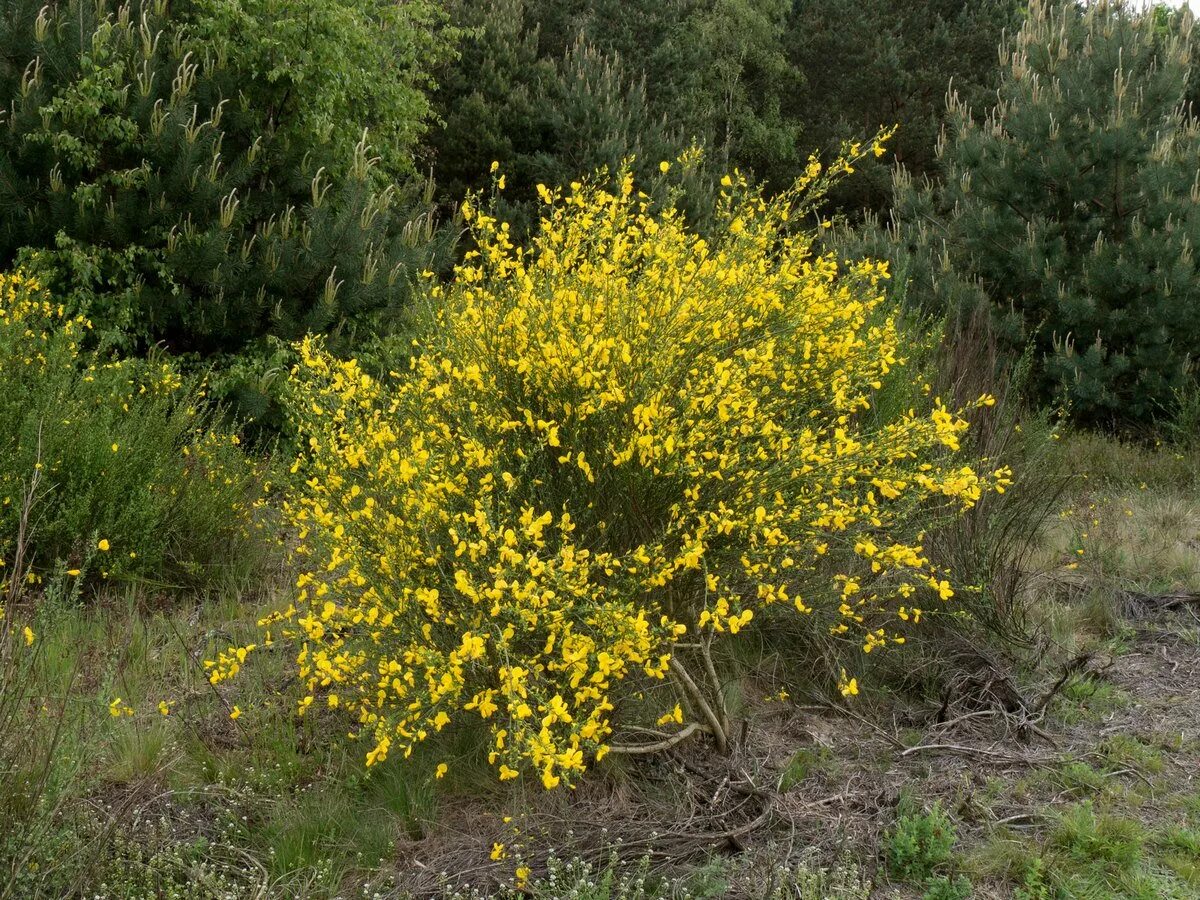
pixel 991 547
pixel 134 478
pixel 614 449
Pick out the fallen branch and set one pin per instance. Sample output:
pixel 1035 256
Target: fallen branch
pixel 734 833
pixel 971 751
pixel 1019 817
pixel 665 744
pixel 1072 668
pixel 1144 605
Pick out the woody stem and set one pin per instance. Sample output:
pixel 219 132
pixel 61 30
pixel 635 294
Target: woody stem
pixel 689 685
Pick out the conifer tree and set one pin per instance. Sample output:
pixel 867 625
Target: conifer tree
pixel 868 64
pixel 715 70
pixel 159 182
pixel 1072 209
pixel 546 119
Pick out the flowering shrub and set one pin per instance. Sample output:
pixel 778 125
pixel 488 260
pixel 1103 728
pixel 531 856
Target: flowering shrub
pixel 132 477
pixel 613 448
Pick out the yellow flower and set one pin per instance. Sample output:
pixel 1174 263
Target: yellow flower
pixel 103 546
pixel 235 712
pixel 29 636
pixel 847 686
pixel 74 573
pixel 675 715
pixel 118 707
pixel 380 752
pixel 164 708
pixel 498 851
pixel 442 769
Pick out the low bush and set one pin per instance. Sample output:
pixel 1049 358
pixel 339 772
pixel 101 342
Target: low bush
pixel 615 448
pixel 111 467
pixel 921 843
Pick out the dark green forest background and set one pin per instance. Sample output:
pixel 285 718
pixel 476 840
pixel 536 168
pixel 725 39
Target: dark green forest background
pixel 220 177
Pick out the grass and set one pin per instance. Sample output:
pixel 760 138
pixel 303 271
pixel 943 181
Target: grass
pixel 1129 525
pixel 805 762
pixel 196 804
pixel 1090 851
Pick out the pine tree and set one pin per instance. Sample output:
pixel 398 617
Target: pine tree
pixel 1073 209
pixel 546 119
pixel 759 83
pixel 158 186
pixel 869 64
pixel 716 70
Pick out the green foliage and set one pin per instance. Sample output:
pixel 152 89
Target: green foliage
pixel 1098 853
pixel 760 83
pixel 942 887
pixel 546 116
pixel 804 763
pixel 198 175
pixel 920 843
pixel 1184 427
pixel 735 83
pixel 1033 882
pixel 1087 697
pixel 1106 840
pixel 97 449
pixel 873 63
pixel 715 69
pixel 1071 211
pixel 322 71
pixel 1080 779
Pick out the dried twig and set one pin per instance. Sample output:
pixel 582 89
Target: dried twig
pixel 1072 668
pixel 973 751
pixel 665 744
